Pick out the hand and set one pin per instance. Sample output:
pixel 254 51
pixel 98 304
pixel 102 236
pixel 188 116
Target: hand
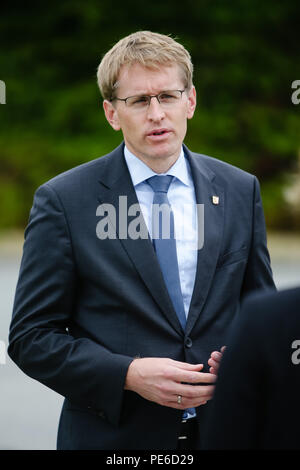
pixel 161 380
pixel 215 360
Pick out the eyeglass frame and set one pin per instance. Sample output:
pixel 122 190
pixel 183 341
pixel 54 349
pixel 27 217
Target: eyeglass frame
pixel 148 96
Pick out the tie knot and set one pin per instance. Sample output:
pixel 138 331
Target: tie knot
pixel 160 184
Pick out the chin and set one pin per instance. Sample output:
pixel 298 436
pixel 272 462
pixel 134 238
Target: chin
pixel 164 152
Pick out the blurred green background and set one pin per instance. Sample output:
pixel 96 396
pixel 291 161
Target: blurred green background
pixel 246 56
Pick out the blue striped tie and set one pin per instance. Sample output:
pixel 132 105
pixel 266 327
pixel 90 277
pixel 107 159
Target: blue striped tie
pixel 163 236
pixel 164 241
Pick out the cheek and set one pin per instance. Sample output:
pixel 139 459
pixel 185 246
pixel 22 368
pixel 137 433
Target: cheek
pixel 132 131
pixel 182 118
pixel 127 126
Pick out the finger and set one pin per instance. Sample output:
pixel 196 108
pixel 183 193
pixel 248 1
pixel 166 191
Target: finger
pixel 190 401
pixel 216 355
pixel 187 366
pixel 191 392
pixel 212 370
pixel 213 363
pixel 193 377
pixel 185 404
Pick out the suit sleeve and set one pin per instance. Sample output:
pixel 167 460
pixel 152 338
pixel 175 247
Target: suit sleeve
pixel 39 343
pixel 258 272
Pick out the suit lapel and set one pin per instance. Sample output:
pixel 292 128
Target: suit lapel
pixel 205 188
pixel 115 181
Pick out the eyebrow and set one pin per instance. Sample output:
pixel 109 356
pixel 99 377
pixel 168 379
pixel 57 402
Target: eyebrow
pixel 151 94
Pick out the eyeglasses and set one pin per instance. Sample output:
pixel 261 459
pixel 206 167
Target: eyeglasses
pixel 165 98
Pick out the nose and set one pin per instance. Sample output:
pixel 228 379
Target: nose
pixel 155 110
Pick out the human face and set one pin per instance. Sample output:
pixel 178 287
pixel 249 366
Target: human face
pixel 159 152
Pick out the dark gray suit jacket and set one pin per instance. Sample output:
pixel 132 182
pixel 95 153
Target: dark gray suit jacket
pixel 85 307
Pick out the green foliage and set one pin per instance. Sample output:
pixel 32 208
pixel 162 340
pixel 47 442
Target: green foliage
pixel 245 54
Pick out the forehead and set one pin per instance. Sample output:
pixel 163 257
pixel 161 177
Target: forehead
pixel 136 79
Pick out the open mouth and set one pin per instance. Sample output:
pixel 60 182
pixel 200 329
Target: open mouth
pixel 159 132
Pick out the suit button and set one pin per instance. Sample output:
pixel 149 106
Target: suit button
pixel 101 414
pixel 188 342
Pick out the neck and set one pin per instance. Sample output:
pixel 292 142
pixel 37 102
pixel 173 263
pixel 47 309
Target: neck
pixel 158 164
pixel 161 165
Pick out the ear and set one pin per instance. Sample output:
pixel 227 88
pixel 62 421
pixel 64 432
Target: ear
pixel 191 102
pixel 111 115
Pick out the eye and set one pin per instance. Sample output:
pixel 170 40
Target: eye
pixel 168 96
pixel 139 99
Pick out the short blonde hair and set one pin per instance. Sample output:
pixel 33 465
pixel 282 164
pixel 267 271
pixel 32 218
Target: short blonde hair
pixel 148 49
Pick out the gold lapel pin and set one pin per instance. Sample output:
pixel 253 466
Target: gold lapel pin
pixel 215 199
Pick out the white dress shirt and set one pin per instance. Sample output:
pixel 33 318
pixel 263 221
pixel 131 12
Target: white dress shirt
pixel 181 195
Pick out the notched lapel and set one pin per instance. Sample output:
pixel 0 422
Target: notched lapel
pixel 115 181
pixel 211 195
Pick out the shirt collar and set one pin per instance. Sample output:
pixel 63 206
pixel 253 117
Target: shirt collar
pixel 139 171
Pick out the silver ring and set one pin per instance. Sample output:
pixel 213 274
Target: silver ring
pixel 179 398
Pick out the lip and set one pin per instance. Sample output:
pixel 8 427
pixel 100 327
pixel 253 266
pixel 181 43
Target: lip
pixel 159 134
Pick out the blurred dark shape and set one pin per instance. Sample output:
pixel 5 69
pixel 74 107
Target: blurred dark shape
pixel 256 400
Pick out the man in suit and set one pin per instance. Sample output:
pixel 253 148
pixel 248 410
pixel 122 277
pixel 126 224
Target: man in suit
pixel 109 312
pixel 256 401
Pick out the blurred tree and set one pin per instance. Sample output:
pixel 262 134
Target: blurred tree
pixel 245 54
